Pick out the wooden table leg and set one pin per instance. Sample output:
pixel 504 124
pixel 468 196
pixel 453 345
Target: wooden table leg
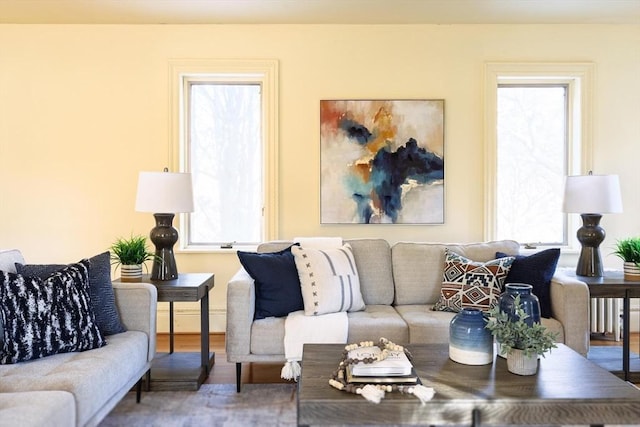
pixel 204 332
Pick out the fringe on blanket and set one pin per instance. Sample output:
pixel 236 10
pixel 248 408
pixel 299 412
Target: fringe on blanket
pixel 291 371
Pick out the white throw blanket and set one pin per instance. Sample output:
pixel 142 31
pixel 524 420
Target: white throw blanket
pixel 299 329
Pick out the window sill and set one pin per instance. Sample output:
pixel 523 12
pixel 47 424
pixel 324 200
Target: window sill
pixel 217 249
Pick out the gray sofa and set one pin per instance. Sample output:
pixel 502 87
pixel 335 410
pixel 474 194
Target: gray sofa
pixel 81 388
pixel 400 284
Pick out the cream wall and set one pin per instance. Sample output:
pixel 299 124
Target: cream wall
pixel 84 108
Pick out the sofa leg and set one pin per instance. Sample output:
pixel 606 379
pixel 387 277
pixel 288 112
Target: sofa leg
pixel 138 390
pixel 238 376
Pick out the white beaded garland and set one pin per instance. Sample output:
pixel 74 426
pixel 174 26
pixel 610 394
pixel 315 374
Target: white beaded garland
pixel 375 392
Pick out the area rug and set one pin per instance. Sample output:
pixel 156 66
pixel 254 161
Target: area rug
pixel 212 405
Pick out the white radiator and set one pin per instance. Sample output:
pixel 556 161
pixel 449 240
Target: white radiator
pixel 605 316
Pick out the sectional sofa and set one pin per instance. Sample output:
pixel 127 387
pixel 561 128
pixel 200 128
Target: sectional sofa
pixel 400 285
pixel 81 388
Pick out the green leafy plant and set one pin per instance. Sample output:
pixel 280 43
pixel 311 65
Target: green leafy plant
pixel 131 251
pixel 517 334
pixel 628 250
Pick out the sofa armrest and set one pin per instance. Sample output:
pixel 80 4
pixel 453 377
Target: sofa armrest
pixel 137 305
pixel 241 301
pixel 570 306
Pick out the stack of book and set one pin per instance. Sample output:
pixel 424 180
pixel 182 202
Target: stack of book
pixel 396 368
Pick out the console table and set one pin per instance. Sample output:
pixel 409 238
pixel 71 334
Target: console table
pixel 614 285
pixel 183 370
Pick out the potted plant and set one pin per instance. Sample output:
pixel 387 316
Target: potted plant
pixel 523 343
pixel 130 254
pixel 629 251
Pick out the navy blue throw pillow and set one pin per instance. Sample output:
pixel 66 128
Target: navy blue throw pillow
pixel 535 270
pixel 276 281
pixel 103 299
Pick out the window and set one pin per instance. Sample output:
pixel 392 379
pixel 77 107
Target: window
pixel 537 133
pixel 224 128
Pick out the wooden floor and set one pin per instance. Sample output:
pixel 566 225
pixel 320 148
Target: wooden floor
pixel 225 373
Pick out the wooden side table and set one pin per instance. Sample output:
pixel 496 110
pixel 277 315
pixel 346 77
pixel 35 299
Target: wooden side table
pixel 183 370
pixel 614 285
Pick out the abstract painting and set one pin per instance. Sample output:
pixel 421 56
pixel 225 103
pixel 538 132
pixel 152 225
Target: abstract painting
pixel 382 161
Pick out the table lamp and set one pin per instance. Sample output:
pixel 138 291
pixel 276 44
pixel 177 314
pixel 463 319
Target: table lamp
pixel 591 196
pixel 164 194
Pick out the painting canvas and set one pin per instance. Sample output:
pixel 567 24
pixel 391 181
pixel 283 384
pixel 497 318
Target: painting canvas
pixel 382 161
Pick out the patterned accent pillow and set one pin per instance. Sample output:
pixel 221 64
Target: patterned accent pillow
pixel 45 317
pixel 103 299
pixel 470 284
pixel 329 280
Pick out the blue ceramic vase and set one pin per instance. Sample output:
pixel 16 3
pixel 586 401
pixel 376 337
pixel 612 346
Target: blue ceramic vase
pixel 528 301
pixel 470 343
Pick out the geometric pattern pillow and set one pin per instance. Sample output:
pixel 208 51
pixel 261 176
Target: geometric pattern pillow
pixel 100 289
pixel 470 284
pixel 45 317
pixel 329 280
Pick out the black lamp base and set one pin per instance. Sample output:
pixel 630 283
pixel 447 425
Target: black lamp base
pixel 164 236
pixel 590 235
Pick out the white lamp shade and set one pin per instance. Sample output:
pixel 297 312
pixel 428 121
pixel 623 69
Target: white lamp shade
pixel 594 194
pixel 164 192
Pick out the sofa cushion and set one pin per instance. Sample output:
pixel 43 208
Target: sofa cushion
pixel 471 284
pixel 9 258
pixel 536 270
pixel 373 261
pixel 554 326
pixel 418 267
pixel 425 325
pixel 54 409
pixel 267 336
pixel 93 377
pixel 329 280
pixel 47 317
pixel 377 321
pixel 277 285
pixel 274 246
pixel 100 289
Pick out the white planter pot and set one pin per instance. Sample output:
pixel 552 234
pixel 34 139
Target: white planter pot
pixel 131 273
pixel 520 364
pixel 631 272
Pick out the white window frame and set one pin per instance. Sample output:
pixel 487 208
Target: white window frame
pixel 579 80
pixel 264 72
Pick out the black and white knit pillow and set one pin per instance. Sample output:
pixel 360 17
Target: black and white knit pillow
pixel 103 299
pixel 45 317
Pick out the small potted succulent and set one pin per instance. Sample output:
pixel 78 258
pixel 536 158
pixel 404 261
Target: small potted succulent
pixel 130 254
pixel 628 250
pixel 522 343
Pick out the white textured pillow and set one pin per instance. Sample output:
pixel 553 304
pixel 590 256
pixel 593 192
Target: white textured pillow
pixel 329 280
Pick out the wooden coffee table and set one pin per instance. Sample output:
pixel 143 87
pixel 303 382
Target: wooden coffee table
pixel 568 389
